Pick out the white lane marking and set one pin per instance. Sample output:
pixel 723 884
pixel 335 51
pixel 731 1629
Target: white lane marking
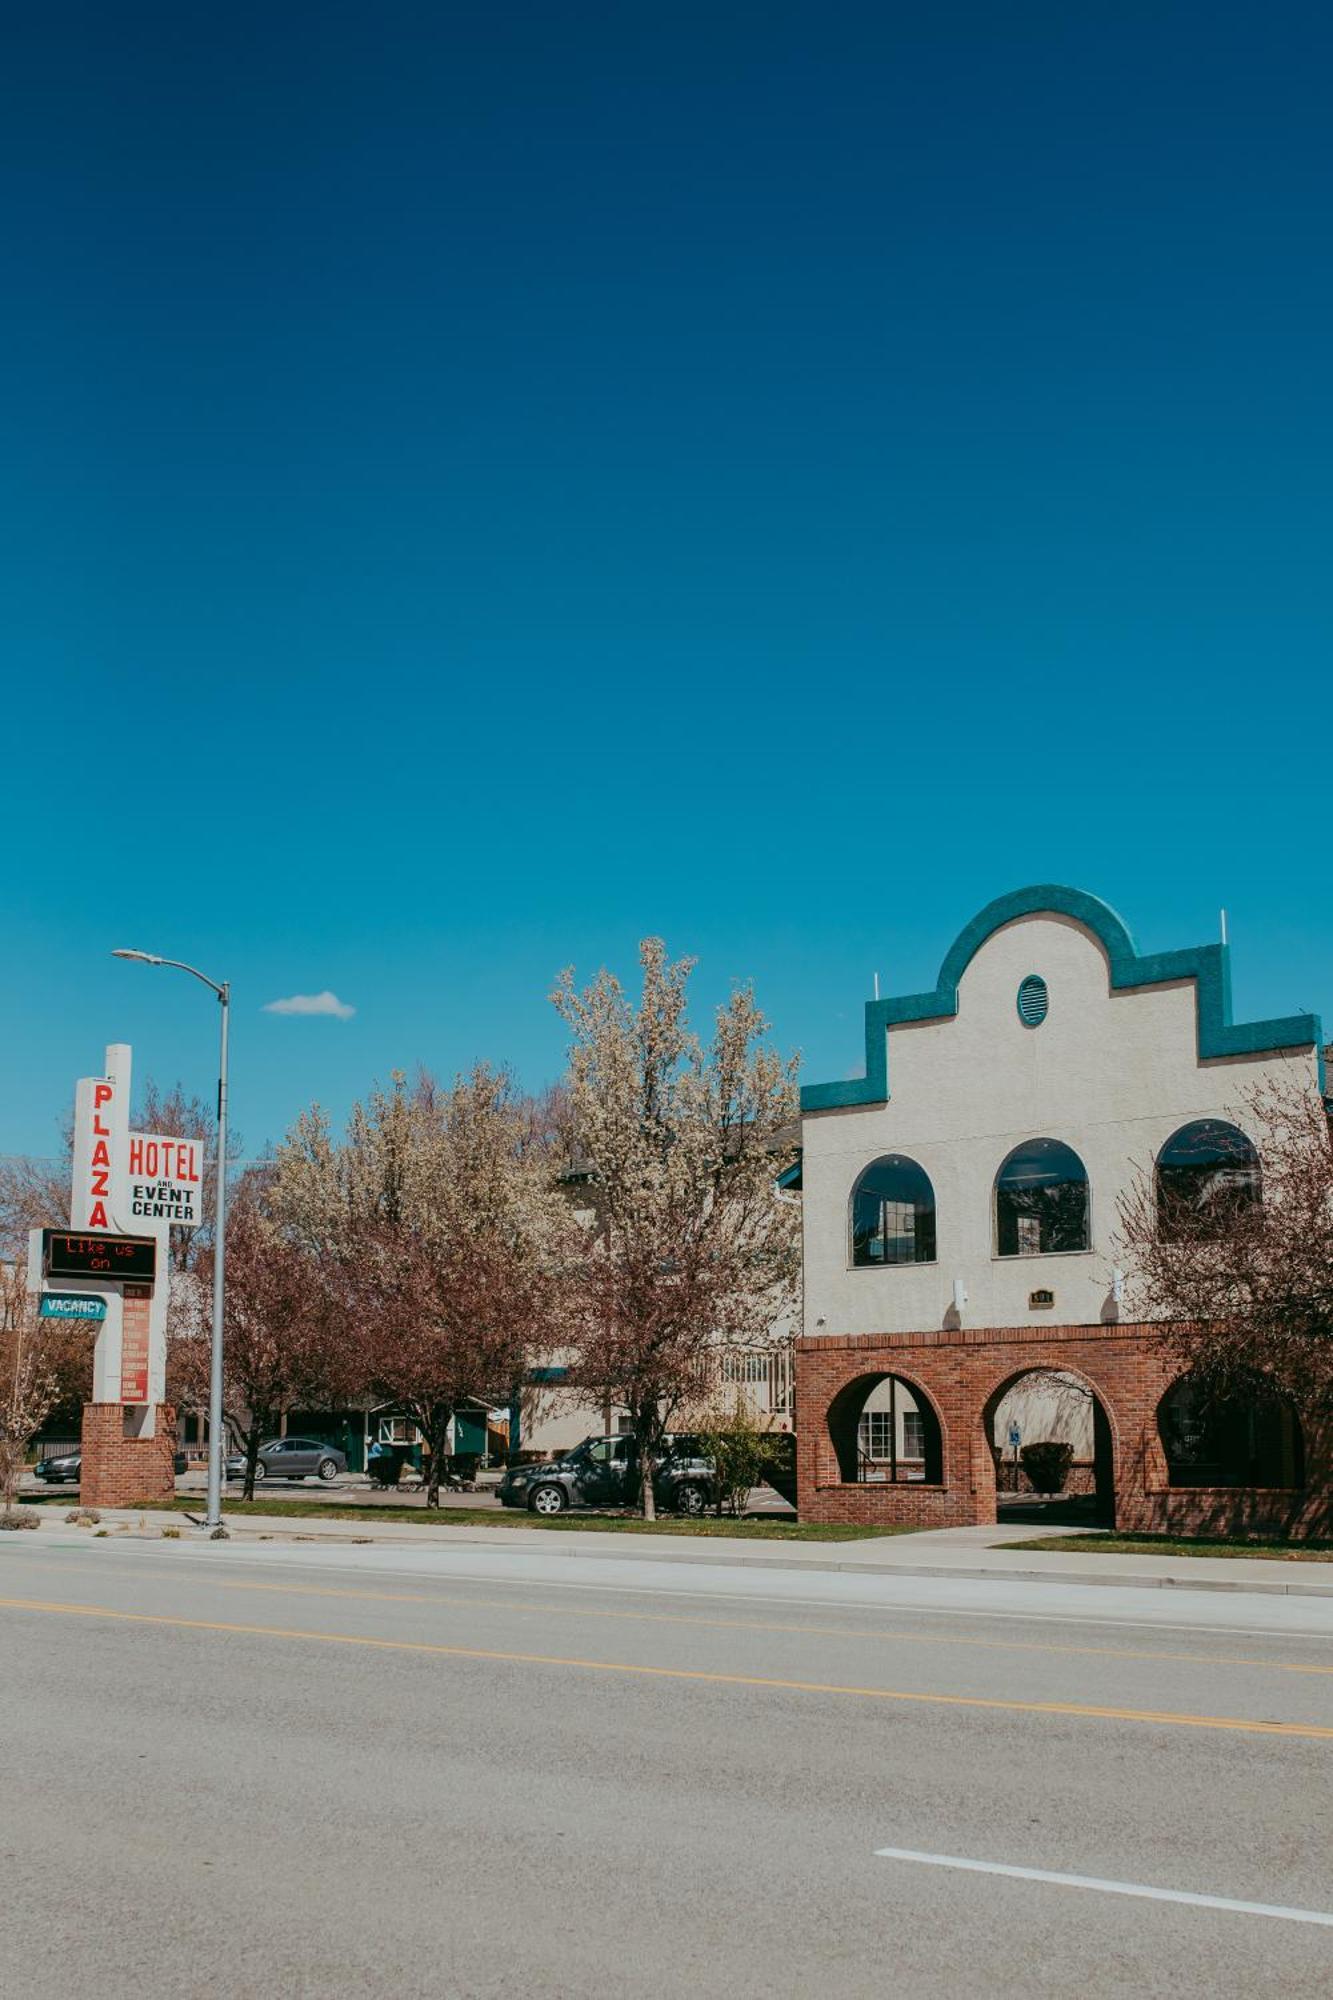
pixel 1108 1888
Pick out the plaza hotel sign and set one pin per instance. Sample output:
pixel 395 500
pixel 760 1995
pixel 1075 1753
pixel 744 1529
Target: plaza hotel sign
pixel 135 1177
pixel 94 1138
pixel 165 1180
pixel 128 1191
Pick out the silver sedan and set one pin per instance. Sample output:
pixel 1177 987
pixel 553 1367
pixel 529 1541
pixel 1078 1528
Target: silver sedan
pixel 292 1458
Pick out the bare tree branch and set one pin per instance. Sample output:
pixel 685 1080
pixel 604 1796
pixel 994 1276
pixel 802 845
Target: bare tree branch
pixel 1240 1288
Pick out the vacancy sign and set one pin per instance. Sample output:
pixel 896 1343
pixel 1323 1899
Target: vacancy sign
pixel 72 1305
pixel 165 1181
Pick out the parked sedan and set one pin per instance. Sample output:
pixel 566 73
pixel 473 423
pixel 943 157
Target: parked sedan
pixel 292 1458
pixel 66 1467
pixel 60 1471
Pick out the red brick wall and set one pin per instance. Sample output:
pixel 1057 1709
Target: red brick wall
pixel 118 1471
pixel 1081 1478
pixel 1295 1513
pixel 964 1373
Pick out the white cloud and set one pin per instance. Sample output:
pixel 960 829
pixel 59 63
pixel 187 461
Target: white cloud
pixel 311 1003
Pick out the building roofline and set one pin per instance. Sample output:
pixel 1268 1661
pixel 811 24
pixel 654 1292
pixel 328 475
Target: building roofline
pixel 1208 965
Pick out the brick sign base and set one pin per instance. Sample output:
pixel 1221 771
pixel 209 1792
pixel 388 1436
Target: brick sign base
pixel 119 1471
pixel 960 1376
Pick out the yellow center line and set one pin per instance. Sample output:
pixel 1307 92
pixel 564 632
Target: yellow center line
pixel 892 1638
pixel 1161 1718
pixel 762 1625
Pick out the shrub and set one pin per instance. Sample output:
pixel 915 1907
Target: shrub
pixel 1047 1465
pixel 82 1517
pixel 740 1451
pixel 171 1534
pixel 21 1517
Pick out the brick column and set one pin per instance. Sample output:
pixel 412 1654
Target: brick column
pixel 120 1471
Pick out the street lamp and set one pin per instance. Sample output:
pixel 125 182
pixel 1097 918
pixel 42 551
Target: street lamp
pixel 213 1511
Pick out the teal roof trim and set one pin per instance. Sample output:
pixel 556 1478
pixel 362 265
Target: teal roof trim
pixel 1208 965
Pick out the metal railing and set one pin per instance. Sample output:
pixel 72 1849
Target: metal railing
pixel 888 1472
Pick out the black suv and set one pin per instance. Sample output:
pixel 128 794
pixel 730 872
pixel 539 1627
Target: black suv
pixel 604 1472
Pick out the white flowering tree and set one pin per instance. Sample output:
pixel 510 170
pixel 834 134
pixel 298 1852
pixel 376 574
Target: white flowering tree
pixel 692 1249
pixel 42 1361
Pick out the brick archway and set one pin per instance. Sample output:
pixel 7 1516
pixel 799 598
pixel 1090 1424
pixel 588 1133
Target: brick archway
pixel 963 1373
pixel 1106 1452
pixel 960 1371
pixel 842 1419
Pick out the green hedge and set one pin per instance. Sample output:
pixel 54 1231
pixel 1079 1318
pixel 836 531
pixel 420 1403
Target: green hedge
pixel 1047 1465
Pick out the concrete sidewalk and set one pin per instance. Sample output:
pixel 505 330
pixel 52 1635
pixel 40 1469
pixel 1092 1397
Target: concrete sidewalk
pixel 943 1552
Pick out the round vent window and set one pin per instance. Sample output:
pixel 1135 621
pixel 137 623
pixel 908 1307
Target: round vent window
pixel 1033 1000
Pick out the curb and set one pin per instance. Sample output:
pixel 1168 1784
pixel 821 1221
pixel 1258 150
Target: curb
pixel 1132 1580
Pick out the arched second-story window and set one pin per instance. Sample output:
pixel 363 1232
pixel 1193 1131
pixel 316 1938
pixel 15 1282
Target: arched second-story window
pixel 1041 1201
pixel 893 1213
pixel 1205 1172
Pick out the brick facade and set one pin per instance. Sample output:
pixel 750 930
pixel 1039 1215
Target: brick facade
pixel 961 1375
pixel 120 1471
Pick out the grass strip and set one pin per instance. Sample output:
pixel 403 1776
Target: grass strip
pixel 1111 1544
pixel 778 1528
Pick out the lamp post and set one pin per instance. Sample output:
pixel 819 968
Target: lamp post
pixel 213 1511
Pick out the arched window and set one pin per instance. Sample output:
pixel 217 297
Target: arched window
pixel 1205 1172
pixel 884 1431
pixel 893 1213
pixel 1041 1201
pixel 1233 1440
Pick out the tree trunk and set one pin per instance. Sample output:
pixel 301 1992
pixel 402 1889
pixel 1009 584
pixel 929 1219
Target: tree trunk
pixel 436 1432
pixel 647 1429
pixel 253 1438
pixel 12 1456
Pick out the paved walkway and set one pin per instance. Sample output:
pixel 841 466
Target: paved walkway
pixel 949 1552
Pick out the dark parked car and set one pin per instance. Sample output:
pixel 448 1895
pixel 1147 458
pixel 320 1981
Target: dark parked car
pixel 61 1470
pixel 67 1466
pixel 291 1458
pixel 604 1472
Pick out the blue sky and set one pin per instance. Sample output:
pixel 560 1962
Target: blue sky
pixel 487 482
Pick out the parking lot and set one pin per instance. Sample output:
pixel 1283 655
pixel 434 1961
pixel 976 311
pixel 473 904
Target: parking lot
pixel 355 1489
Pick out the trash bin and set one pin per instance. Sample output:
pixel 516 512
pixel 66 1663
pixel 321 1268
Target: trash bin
pixel 384 1465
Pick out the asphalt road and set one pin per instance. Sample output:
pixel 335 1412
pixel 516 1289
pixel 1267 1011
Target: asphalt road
pixel 303 1771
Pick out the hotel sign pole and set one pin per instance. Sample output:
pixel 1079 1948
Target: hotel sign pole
pixel 213 1510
